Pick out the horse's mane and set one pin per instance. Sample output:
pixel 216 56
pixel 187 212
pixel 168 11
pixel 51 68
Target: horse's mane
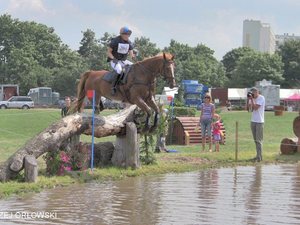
pixel 159 55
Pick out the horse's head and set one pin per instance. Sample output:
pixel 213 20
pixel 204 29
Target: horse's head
pixel 168 69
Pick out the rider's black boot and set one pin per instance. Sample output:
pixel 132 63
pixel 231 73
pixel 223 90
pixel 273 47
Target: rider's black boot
pixel 114 87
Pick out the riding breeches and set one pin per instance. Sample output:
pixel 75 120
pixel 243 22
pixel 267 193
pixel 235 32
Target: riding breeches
pixel 118 67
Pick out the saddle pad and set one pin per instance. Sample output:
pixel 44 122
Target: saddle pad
pixel 112 75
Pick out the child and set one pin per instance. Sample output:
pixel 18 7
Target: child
pixel 217 135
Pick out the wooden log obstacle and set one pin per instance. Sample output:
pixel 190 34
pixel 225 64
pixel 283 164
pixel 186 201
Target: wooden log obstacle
pixel 184 131
pixel 292 145
pixel 122 124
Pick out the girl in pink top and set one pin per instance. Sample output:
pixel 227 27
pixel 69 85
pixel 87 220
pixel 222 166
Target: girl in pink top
pixel 217 135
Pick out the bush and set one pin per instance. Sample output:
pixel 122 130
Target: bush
pixel 184 111
pixel 178 103
pixel 59 161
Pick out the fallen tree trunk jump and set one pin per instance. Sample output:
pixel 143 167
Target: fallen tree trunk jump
pixel 53 137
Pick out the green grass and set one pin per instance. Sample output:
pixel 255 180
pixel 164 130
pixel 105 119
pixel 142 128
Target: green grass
pixel 13 187
pixel 276 128
pixel 18 126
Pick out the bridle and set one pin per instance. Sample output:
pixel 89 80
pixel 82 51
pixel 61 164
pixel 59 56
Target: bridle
pixel 165 65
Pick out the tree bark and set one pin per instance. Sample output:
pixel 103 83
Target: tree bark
pixel 127 151
pixel 54 136
pixel 31 168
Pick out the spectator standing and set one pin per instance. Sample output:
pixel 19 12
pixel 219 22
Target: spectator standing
pixel 257 106
pixel 217 134
pixel 207 114
pixel 65 109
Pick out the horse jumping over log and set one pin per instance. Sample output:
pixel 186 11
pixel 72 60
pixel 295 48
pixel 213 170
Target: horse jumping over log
pixel 139 88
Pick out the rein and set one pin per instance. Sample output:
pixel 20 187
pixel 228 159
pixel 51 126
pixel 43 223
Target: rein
pixel 145 69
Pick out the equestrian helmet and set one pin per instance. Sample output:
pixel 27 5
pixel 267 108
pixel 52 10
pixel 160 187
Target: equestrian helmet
pixel 125 30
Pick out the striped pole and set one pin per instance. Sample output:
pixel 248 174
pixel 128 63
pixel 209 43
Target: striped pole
pixel 171 128
pixel 93 131
pixel 236 140
pixel 91 94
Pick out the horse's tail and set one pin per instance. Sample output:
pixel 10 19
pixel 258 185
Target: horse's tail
pixel 81 91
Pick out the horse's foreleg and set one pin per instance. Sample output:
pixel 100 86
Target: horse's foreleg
pixel 143 106
pixel 153 105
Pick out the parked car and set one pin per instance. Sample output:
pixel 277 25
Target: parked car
pixel 19 102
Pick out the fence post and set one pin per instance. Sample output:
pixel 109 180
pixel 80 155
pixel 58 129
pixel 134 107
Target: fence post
pixel 236 140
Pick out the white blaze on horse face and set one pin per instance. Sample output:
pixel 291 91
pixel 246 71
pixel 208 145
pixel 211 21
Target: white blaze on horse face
pixel 172 70
pixel 173 76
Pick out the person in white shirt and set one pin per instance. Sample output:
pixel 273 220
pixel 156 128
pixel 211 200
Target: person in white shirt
pixel 257 104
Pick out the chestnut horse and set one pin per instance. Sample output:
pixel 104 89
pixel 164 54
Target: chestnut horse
pixel 139 88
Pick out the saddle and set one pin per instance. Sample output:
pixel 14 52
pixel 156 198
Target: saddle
pixel 111 76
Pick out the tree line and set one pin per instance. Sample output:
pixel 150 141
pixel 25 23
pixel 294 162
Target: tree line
pixel 33 55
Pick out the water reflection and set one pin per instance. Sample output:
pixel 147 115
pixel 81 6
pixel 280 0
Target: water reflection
pixel 252 203
pixel 242 195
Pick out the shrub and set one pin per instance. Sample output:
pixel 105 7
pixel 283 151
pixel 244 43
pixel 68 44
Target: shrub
pixel 184 111
pixel 58 162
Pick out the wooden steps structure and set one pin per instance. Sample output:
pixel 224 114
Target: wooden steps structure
pixel 184 131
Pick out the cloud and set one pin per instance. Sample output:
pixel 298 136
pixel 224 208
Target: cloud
pixel 124 19
pixel 26 6
pixel 290 3
pixel 118 2
pixel 221 31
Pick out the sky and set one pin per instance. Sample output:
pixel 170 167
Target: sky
pixel 218 24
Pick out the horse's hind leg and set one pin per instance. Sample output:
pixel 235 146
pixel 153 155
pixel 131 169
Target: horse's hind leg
pixel 98 104
pixel 101 106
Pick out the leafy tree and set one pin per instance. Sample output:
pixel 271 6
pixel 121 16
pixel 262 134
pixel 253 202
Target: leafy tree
pixel 44 43
pixel 290 53
pixel 257 66
pixel 88 44
pixel 65 78
pixel 197 63
pixel 231 58
pixel 24 70
pixel 31 54
pixel 105 40
pixel 92 50
pixel 145 48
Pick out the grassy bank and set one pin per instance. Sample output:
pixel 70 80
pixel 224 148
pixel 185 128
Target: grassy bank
pixel 18 126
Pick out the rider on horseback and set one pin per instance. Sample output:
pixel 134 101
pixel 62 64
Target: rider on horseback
pixel 117 53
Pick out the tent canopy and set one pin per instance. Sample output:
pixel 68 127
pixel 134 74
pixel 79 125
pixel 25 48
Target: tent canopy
pixel 294 97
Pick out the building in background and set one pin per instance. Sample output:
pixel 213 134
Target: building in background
pixel 258 36
pixel 280 39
